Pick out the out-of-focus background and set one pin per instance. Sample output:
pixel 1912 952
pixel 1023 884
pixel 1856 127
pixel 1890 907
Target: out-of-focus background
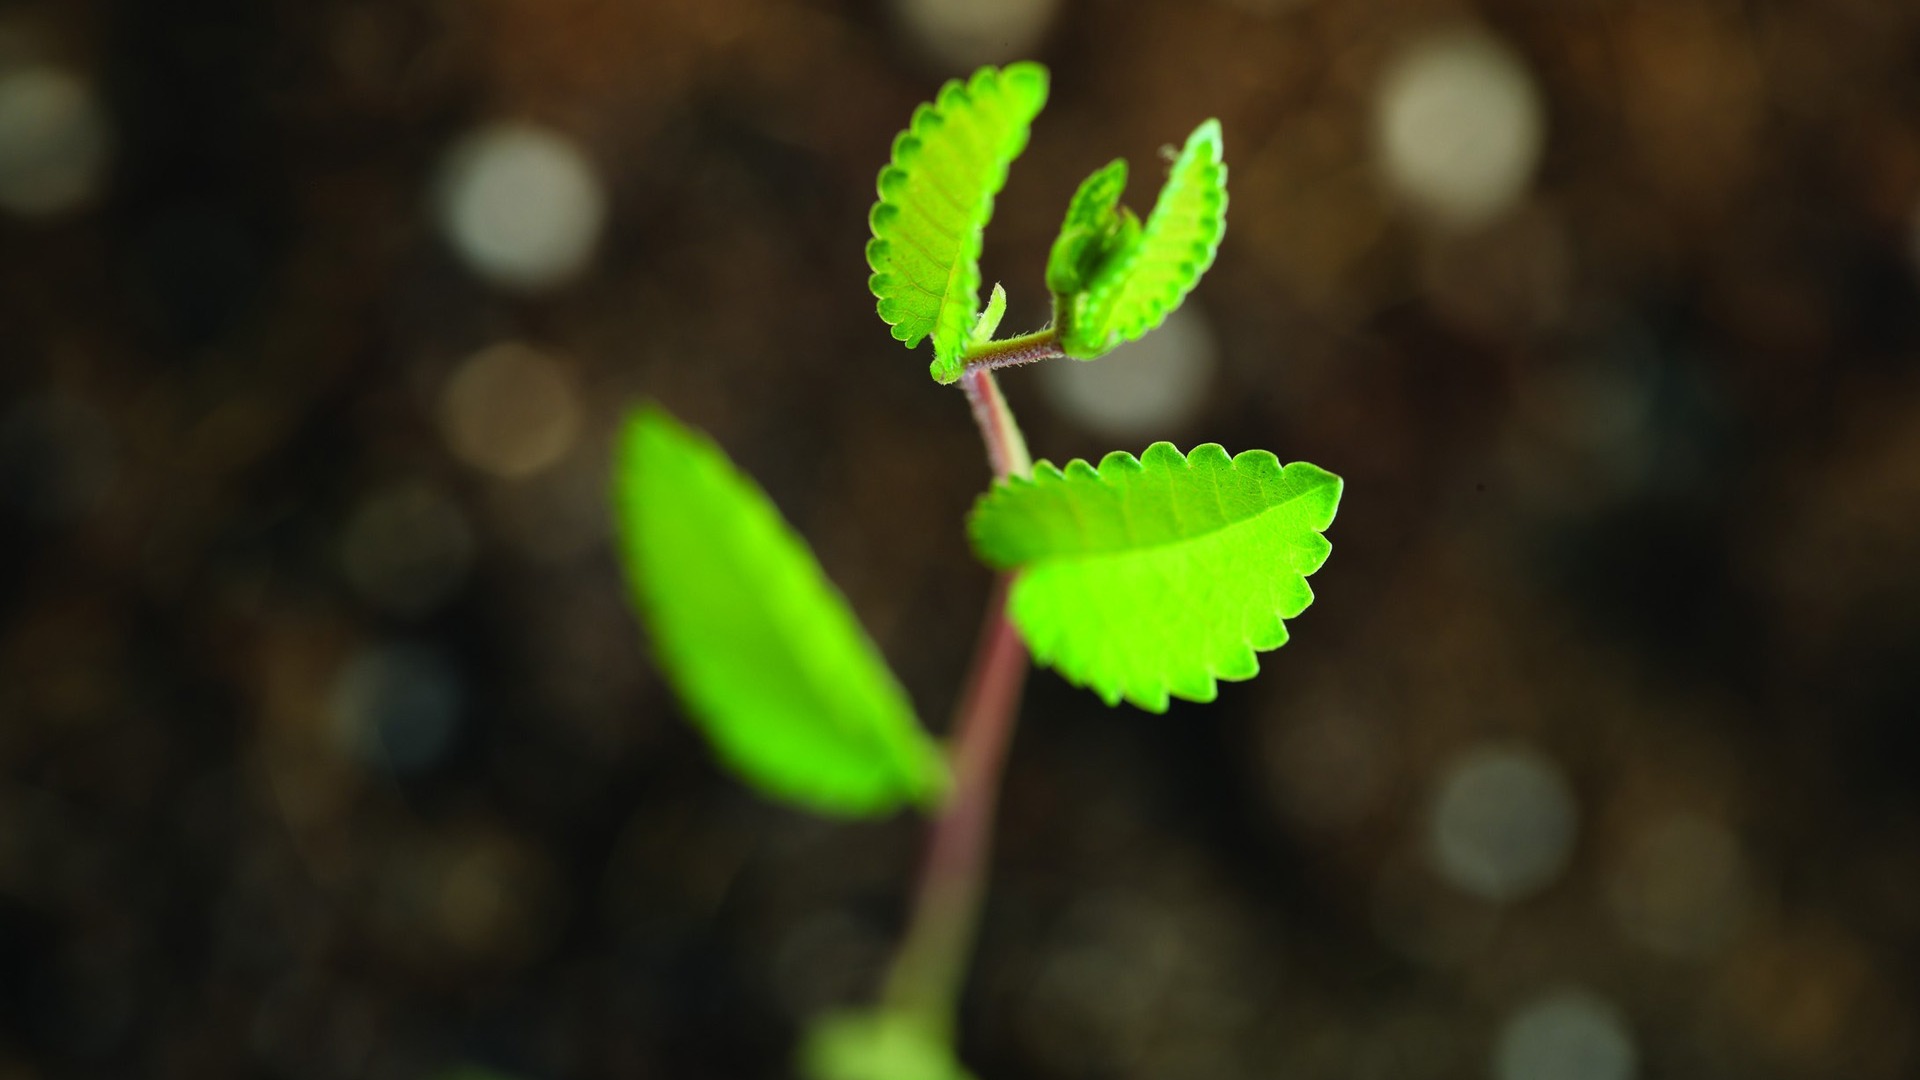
pixel 329 747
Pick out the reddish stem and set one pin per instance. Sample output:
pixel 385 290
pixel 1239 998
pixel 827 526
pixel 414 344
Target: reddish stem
pixel 926 976
pixel 1006 447
pixel 1012 352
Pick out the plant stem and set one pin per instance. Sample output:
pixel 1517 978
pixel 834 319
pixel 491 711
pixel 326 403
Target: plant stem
pixel 926 976
pixel 1006 447
pixel 1013 351
pixel 925 980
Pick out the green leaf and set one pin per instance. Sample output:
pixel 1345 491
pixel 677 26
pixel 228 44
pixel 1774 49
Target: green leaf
pixel 1154 577
pixel 936 197
pixel 765 654
pixel 1096 228
pixel 989 321
pixel 876 1045
pixel 1134 283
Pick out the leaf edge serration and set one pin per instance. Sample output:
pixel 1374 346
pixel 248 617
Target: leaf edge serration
pixel 1153 694
pixel 1095 333
pixel 1086 231
pixel 950 333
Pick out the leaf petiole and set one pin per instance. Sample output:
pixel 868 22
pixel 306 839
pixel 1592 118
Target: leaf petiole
pixel 1014 351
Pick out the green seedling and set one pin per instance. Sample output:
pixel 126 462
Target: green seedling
pixel 1142 579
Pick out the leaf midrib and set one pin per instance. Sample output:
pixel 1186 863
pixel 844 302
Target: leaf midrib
pixel 1157 545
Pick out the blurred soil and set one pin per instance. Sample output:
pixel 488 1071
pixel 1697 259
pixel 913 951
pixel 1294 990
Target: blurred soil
pixel 329 746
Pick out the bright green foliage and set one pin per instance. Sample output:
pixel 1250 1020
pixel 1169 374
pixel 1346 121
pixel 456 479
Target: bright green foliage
pixel 877 1045
pixel 1158 576
pixel 763 651
pixel 1097 227
pixel 936 197
pixel 1114 281
pixel 989 320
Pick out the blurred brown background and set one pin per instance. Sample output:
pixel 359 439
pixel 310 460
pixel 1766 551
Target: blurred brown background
pixel 328 747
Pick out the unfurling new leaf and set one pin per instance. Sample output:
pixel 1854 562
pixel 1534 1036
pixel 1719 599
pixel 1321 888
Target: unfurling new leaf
pixel 1096 229
pixel 989 321
pixel 1112 279
pixel 765 654
pixel 1156 576
pixel 936 197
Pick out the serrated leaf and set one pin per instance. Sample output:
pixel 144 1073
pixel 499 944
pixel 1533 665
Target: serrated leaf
pixel 936 197
pixel 1156 576
pixel 763 651
pixel 1142 282
pixel 1094 231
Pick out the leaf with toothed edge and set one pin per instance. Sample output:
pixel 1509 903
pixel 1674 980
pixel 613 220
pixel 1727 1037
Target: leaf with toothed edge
pixel 1154 577
pixel 1129 280
pixel 1097 229
pixel 936 196
pixel 765 654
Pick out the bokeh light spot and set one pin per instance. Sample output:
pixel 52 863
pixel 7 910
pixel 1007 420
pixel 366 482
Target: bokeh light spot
pixel 1145 387
pixel 511 410
pixel 1682 889
pixel 1459 127
pixel 968 33
pixel 1566 1035
pixel 1503 825
pixel 53 141
pixel 396 707
pixel 521 205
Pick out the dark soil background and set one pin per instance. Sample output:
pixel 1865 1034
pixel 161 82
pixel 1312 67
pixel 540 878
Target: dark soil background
pixel 330 748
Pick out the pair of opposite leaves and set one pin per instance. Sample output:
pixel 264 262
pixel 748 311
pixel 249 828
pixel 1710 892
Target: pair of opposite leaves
pixel 1140 578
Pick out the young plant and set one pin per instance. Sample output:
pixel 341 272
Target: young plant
pixel 1142 579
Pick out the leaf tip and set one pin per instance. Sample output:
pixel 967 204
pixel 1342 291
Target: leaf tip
pixel 1031 78
pixel 1208 134
pixel 646 426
